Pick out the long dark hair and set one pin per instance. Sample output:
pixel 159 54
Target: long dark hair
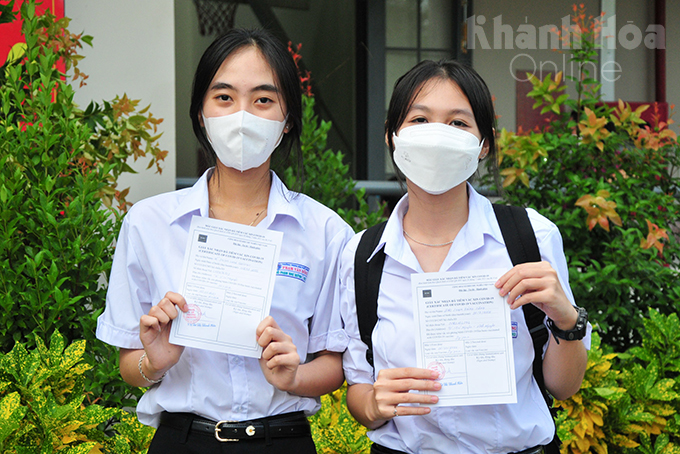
pixel 286 80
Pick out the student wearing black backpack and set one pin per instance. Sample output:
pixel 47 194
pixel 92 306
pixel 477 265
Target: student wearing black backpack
pixel 439 125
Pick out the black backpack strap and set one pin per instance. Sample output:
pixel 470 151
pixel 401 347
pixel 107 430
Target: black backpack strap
pixel 520 241
pixel 367 277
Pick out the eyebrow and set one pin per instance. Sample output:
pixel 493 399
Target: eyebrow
pixel 450 112
pixel 264 87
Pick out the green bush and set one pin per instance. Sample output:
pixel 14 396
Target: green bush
pixel 58 171
pixel 334 429
pixel 629 402
pixel 42 405
pixel 610 182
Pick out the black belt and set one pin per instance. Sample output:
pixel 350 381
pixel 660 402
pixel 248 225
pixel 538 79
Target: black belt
pixel 279 426
pixel 380 449
pixel 534 450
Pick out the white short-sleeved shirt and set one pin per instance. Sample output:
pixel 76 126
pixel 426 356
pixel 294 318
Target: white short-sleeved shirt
pixel 147 264
pixel 469 429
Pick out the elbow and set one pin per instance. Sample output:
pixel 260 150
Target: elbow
pixel 562 388
pixel 565 392
pixel 563 373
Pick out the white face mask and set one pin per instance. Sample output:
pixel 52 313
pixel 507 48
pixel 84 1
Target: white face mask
pixel 242 140
pixel 436 157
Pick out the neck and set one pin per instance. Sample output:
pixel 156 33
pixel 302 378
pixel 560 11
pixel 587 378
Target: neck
pixel 235 196
pixel 436 219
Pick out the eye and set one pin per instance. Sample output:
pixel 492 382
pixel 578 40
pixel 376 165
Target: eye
pixel 459 124
pixel 224 98
pixel 264 100
pixel 418 120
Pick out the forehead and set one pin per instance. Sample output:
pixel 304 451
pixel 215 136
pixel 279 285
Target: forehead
pixel 245 66
pixel 440 91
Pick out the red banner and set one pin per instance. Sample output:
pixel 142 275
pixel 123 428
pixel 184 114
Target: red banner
pixel 10 33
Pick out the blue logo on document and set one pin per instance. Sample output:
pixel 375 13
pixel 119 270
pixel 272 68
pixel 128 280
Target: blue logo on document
pixel 294 270
pixel 513 326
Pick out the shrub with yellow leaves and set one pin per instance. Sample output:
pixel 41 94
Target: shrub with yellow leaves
pixel 334 429
pixel 42 410
pixel 648 412
pixel 628 402
pixel 581 424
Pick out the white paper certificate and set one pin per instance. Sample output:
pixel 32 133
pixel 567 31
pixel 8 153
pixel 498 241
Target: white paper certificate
pixel 228 282
pixel 463 331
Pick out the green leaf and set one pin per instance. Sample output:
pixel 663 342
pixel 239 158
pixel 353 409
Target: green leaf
pixel 83 448
pixel 663 390
pixel 11 415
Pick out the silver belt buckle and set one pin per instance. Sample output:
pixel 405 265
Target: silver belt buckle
pixel 217 432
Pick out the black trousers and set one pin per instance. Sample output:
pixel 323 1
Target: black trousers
pixel 170 440
pixel 380 449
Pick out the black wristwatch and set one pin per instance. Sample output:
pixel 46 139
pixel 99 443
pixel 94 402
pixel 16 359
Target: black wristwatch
pixel 577 333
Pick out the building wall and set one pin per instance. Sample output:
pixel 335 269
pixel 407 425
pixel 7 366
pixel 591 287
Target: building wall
pixel 637 65
pixel 497 65
pixel 133 53
pixel 150 50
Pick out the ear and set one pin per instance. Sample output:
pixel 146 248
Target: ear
pixel 200 120
pixel 286 128
pixel 485 150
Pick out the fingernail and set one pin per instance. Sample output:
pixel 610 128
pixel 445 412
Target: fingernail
pixel 434 399
pixel 437 386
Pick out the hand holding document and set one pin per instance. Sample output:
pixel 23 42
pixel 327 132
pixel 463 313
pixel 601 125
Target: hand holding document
pixel 463 332
pixel 228 283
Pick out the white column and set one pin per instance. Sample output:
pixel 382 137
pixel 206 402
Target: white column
pixel 608 65
pixel 133 53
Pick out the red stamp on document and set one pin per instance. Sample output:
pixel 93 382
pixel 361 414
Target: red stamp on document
pixel 437 367
pixel 192 315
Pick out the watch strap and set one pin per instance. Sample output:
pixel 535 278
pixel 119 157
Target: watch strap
pixel 576 333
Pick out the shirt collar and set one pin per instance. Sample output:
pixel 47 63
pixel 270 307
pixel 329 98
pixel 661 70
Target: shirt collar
pixel 280 202
pixel 196 200
pixel 480 215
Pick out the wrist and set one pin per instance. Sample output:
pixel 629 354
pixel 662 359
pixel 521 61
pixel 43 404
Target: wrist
pixel 294 386
pixel 569 321
pixel 373 413
pixel 147 372
pixel 577 331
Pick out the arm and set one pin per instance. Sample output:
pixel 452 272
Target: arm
pixel 320 376
pixel 374 405
pixel 281 366
pixel 564 366
pixel 537 283
pixel 154 332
